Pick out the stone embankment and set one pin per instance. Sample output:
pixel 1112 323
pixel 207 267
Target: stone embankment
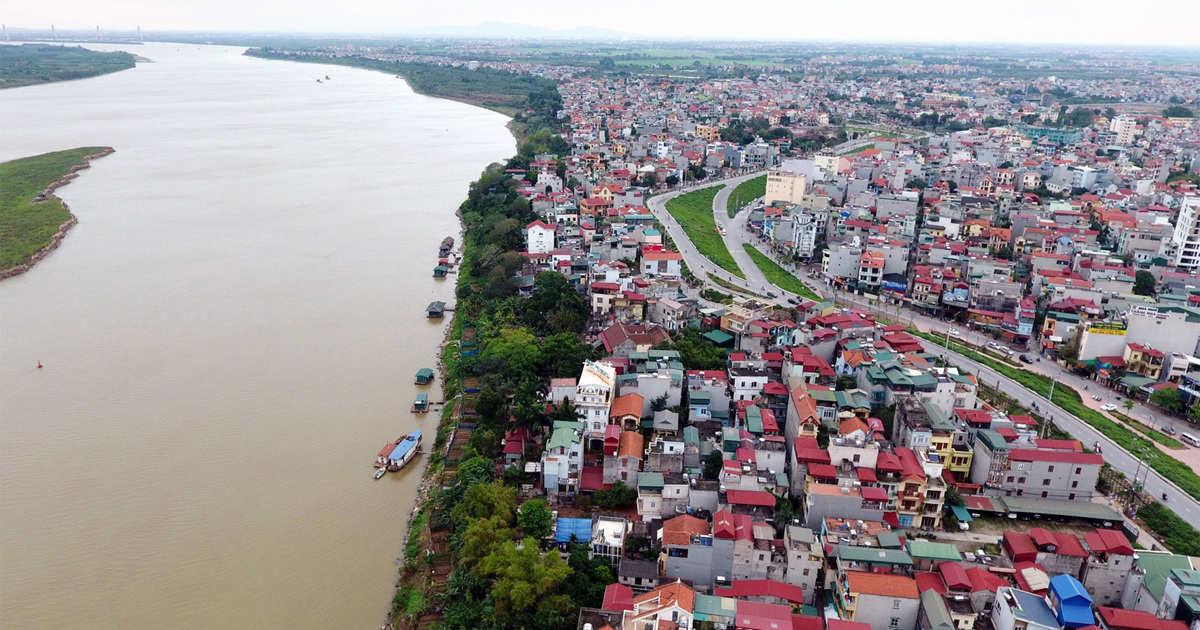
pixel 55 240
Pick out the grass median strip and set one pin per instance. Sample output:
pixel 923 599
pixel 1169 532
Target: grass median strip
pixel 694 212
pixel 1069 400
pixel 745 192
pixel 1153 434
pixel 779 276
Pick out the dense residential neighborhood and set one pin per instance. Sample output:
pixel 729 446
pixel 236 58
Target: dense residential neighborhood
pixel 734 454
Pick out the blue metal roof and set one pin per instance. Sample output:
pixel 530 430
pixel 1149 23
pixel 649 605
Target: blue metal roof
pixel 407 444
pixel 581 528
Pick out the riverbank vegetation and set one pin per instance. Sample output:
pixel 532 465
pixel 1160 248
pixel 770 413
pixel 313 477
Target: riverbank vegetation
pixel 497 90
pixel 28 219
pixel 694 212
pixel 31 64
pixel 488 566
pixel 779 276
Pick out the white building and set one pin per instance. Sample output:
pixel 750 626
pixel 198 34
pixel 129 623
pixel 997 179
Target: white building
pixel 1124 127
pixel 593 400
pixel 805 228
pixel 539 237
pixel 1187 234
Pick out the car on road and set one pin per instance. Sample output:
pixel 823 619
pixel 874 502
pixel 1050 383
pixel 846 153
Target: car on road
pixel 1109 407
pixel 993 345
pixel 794 301
pixel 953 332
pixel 1025 359
pixel 1095 397
pixel 1168 429
pixel 771 295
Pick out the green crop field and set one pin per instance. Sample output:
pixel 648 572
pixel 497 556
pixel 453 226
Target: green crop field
pixel 694 212
pixel 745 192
pixel 779 276
pixel 26 227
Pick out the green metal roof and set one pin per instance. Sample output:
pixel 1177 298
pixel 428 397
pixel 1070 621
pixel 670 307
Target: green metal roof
pixel 564 436
pixel 889 540
pixel 926 550
pixel 874 555
pixel 1157 567
pixel 651 480
pixel 1136 382
pixel 691 435
pixel 699 398
pixel 823 395
pixel 936 611
pixel 709 606
pixel 961 513
pixel 992 439
pixel 718 337
pixel 1052 507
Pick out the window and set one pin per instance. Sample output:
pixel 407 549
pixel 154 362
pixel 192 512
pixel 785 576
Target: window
pixel 806 573
pixel 1010 479
pixel 1074 484
pixel 894 623
pixel 1078 471
pixel 1050 469
pixel 1072 497
pixel 1045 482
pixel 1021 481
pixel 1044 494
pixel 895 604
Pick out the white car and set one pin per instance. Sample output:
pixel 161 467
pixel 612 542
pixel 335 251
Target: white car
pixel 1108 407
pixel 953 332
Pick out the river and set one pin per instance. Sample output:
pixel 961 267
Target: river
pixel 229 336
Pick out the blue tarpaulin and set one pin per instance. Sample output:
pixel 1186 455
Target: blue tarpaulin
pixel 581 528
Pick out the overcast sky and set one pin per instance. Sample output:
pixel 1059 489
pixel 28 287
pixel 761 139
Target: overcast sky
pixel 1144 22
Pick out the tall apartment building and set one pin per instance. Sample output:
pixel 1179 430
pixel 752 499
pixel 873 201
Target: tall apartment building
pixel 785 186
pixel 1123 127
pixel 1187 234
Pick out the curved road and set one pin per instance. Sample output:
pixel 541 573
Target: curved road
pixel 735 235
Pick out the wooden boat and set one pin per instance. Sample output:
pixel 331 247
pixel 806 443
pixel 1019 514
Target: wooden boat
pixel 422 404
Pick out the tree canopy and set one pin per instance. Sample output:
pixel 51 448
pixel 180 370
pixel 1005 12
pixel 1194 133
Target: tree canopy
pixel 534 518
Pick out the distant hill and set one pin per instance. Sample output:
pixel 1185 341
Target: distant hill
pixel 491 30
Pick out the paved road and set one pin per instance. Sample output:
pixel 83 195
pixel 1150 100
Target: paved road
pixel 1120 459
pixel 696 262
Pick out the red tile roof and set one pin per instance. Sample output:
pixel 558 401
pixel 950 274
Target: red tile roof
pixel 886 585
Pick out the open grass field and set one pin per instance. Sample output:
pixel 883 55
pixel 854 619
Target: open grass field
pixel 779 276
pixel 30 64
pixel 746 191
pixel 25 226
pixel 694 212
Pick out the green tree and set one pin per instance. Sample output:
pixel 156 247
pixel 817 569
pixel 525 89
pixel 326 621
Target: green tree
pixel 616 496
pixel 1143 283
pixel 846 381
pixel 488 500
pixel 534 518
pixel 671 180
pixel 713 464
pixel 1168 398
pixel 481 537
pixel 916 182
pixel 1128 404
pixel 525 580
pixel 1177 111
pixel 476 470
pixel 517 349
pixel 563 355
